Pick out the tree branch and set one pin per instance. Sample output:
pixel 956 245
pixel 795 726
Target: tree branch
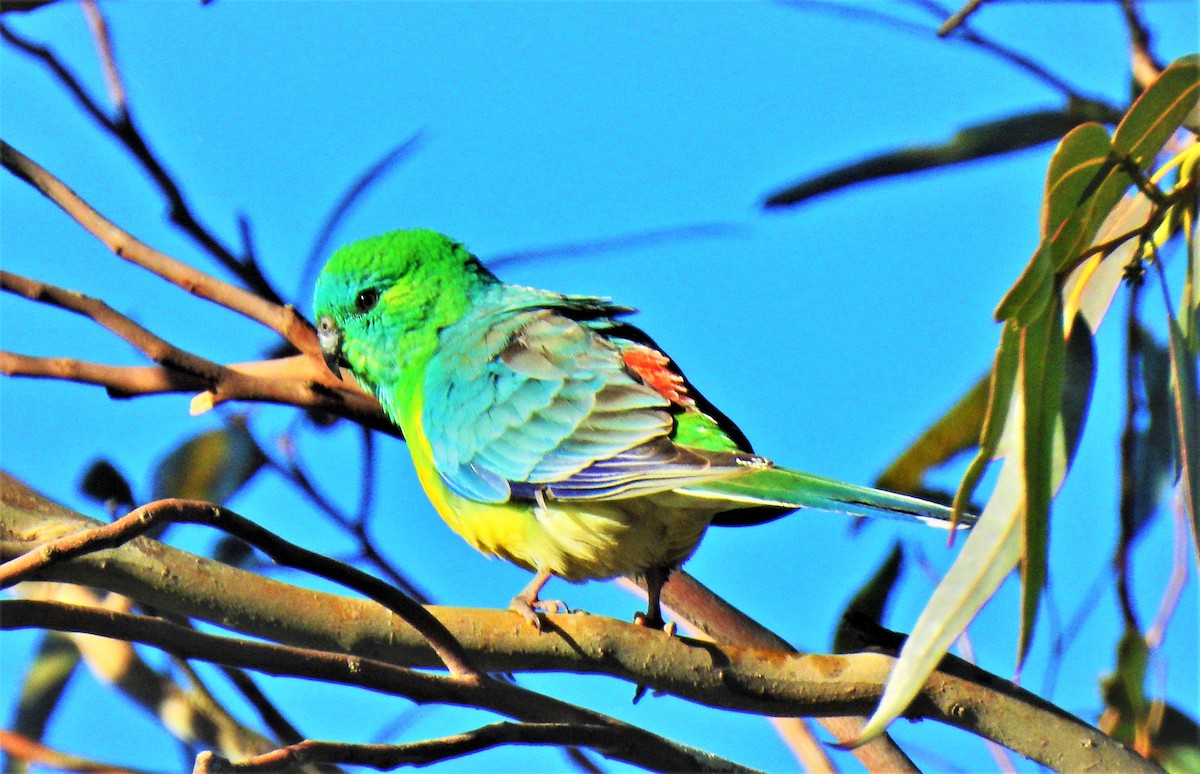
pixel 282 319
pixel 641 748
pixel 742 679
pixel 123 129
pixel 606 740
pixel 143 519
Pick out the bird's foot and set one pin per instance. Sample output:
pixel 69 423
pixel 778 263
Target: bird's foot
pixel 530 607
pixel 655 622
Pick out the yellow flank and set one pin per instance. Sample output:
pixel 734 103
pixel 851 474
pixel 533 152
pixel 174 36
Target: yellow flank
pixel 575 540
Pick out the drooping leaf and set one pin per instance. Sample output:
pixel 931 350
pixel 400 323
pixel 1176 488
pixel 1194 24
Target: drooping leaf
pixel 1187 424
pixel 1078 380
pixel 103 483
pixel 868 605
pixel 990 138
pixel 1091 286
pixel 1043 353
pixel 1075 170
pixel 53 665
pixel 1000 389
pixel 1159 111
pixel 1154 443
pixel 211 466
pixel 955 432
pixel 988 556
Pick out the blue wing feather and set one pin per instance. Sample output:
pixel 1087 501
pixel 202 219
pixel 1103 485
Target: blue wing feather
pixel 522 396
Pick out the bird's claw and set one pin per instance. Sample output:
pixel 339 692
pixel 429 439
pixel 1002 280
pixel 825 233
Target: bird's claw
pixel 529 608
pixel 654 622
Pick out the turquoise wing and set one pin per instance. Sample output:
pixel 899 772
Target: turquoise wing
pixel 523 399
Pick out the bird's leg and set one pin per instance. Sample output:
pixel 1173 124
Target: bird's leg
pixel 655 578
pixel 527 603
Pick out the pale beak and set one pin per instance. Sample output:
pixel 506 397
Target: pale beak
pixel 330 338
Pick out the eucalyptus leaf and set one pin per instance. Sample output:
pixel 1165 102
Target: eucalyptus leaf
pixel 211 466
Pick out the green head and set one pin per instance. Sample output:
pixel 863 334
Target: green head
pixel 381 302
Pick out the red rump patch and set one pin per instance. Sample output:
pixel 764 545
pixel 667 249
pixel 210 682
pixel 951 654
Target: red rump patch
pixel 654 369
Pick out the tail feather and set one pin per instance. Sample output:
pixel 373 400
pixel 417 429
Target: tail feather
pixel 792 489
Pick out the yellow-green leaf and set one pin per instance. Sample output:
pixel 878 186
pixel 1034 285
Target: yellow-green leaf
pixel 1159 111
pixel 955 432
pixel 1000 389
pixel 211 466
pixel 1187 424
pixel 1042 361
pixel 988 556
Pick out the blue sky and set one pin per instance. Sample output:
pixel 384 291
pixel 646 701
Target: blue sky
pixel 832 333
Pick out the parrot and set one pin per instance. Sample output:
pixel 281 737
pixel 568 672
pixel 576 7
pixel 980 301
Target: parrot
pixel 547 430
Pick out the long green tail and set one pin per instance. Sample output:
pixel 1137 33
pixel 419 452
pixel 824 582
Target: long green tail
pixel 792 489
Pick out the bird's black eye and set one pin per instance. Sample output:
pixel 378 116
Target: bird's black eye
pixel 366 300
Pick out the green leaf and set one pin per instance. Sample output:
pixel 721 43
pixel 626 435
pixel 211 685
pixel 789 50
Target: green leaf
pixel 1187 424
pixel 1026 299
pixel 1159 111
pixel 868 605
pixel 1077 168
pixel 53 665
pixel 1091 286
pixel 1154 444
pixel 988 556
pixel 990 138
pixel 1080 378
pixel 1043 355
pixel 211 466
pixel 1123 689
pixel 1000 389
pixel 955 432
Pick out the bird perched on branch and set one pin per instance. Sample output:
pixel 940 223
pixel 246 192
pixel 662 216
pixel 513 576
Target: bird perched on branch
pixel 547 430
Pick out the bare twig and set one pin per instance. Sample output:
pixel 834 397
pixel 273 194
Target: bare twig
pixel 142 519
pixel 153 347
pixel 104 49
pixel 1128 448
pixel 712 615
pixel 23 748
pixel 1175 584
pixel 959 17
pixel 601 738
pixel 281 319
pixel 1145 65
pixel 123 128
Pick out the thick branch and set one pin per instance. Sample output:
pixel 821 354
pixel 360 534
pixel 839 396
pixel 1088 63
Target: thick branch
pixel 143 519
pixel 640 747
pixel 742 679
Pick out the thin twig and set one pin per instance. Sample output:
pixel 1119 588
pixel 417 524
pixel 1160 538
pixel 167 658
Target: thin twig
pixel 152 346
pixel 282 319
pixel 1145 65
pixel 1176 582
pixel 124 129
pixel 383 757
pixel 959 17
pixel 142 519
pixel 104 49
pixel 1128 449
pixel 22 748
pixel 363 183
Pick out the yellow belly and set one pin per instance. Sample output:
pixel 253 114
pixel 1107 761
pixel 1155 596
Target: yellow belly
pixel 572 539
